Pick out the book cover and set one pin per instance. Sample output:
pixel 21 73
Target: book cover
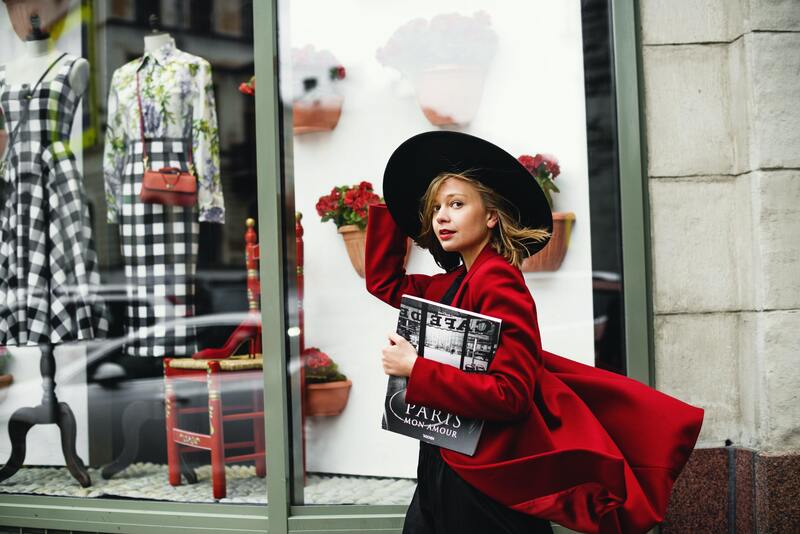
pixel 452 336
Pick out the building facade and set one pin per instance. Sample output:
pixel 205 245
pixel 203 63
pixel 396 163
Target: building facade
pixel 721 88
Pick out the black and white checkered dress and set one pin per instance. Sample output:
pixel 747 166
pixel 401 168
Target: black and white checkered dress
pixel 159 245
pixel 48 265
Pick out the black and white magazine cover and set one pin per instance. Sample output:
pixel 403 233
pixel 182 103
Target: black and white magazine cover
pixel 449 335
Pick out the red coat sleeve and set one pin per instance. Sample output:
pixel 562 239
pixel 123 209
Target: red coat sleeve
pixel 505 391
pixel 386 249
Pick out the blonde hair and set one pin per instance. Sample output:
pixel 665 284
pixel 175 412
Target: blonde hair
pixel 508 236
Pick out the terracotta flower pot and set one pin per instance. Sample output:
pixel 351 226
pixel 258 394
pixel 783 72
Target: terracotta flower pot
pixel 450 95
pixel 329 398
pixel 317 116
pixel 551 256
pixel 3 142
pixel 355 240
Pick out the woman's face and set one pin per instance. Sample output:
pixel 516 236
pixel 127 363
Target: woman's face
pixel 461 222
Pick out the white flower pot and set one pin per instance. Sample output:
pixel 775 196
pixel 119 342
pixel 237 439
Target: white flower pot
pixel 450 95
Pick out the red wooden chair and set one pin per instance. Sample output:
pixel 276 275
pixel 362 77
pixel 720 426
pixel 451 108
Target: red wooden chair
pixel 215 368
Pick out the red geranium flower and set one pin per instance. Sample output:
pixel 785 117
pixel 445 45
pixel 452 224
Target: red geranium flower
pixel 248 87
pixel 348 204
pixel 319 367
pixel 544 168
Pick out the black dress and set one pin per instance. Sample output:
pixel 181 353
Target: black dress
pixel 444 503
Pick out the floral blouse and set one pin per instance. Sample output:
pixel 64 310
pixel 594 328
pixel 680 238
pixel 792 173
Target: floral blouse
pixel 177 102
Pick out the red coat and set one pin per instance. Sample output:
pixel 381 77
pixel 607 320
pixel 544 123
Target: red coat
pixel 586 448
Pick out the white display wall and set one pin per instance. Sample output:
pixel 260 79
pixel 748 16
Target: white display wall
pixel 533 101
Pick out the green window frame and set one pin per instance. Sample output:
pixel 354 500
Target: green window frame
pixel 279 516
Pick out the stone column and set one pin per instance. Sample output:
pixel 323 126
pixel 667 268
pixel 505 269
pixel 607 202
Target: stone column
pixel 722 108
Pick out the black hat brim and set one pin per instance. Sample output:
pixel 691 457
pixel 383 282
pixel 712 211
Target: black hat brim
pixel 423 157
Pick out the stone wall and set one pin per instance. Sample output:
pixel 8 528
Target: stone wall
pixel 722 113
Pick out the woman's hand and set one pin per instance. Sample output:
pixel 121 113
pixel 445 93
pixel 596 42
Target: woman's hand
pixel 399 357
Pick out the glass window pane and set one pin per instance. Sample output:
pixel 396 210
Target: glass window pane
pixel 129 176
pixel 535 78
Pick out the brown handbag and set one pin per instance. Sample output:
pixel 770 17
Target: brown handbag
pixel 169 186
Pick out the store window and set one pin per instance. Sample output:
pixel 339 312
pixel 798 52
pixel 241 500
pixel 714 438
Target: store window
pixel 128 270
pixel 535 78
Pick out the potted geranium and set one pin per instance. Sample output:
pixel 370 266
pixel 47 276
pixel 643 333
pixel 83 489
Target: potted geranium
pixel 316 102
pixel 545 169
pixel 248 87
pixel 347 207
pixel 446 59
pixel 326 388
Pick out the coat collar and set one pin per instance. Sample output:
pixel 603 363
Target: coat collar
pixel 487 253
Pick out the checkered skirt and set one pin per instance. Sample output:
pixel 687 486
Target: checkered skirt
pixel 159 247
pixel 48 265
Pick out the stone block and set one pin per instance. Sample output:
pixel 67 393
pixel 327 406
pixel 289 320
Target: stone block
pixel 690 21
pixel 744 488
pixel 696 361
pixel 774 81
pixel 777 234
pixel 777 493
pixel 741 106
pixel 780 354
pixel 701 244
pixel 688 116
pixel 699 499
pixel 780 15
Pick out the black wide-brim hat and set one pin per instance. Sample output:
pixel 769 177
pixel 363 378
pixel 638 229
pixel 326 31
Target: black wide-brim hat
pixel 423 157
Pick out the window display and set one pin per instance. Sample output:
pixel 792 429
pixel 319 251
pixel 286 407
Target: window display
pixel 116 269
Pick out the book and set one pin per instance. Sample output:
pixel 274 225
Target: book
pixel 452 336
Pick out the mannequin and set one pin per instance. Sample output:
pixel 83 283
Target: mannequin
pixel 154 42
pixel 157 38
pixel 133 116
pixel 67 76
pixel 39 54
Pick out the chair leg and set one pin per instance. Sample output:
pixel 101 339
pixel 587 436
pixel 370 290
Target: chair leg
pixel 258 434
pixel 216 432
pixel 171 413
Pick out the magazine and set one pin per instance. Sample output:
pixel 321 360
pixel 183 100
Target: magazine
pixel 451 336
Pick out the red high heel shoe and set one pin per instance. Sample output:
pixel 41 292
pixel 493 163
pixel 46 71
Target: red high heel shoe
pixel 248 330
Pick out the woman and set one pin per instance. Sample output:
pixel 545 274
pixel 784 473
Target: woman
pixel 562 441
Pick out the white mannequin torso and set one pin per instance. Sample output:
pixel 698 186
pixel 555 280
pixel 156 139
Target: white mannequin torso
pixel 39 56
pixel 154 42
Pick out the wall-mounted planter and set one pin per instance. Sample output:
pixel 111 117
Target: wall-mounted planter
pixel 355 240
pixel 316 116
pixel 551 256
pixel 450 95
pixel 326 399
